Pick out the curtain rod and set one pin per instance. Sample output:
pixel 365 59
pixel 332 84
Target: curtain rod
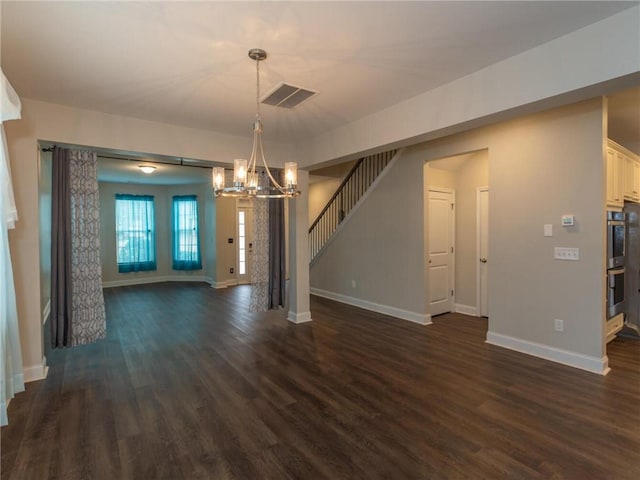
pixel 127 159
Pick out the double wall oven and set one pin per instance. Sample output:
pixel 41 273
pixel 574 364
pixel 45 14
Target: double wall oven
pixel 616 230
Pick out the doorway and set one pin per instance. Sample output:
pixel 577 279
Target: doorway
pixel 465 174
pixel 440 263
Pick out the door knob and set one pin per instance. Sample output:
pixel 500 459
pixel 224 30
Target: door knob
pixel 483 260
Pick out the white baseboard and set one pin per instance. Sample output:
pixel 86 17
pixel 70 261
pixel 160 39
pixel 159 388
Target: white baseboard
pixel 36 372
pixel 558 355
pixel 165 278
pixel 46 312
pixel 301 317
pixel 415 317
pixel 224 283
pixel 466 309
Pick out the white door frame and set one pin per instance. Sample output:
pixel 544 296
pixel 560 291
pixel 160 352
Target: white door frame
pixel 452 232
pixel 479 190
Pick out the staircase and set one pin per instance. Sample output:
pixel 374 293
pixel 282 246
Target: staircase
pixel 346 197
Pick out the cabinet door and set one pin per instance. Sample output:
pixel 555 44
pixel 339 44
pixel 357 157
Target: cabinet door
pixel 614 178
pixel 636 180
pixel 630 181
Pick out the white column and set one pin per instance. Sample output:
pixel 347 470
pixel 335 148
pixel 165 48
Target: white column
pixel 299 310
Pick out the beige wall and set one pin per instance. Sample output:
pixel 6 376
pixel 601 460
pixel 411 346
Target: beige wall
pixel 381 247
pixel 541 166
pixel 319 194
pixel 436 177
pixel 226 252
pixel 162 205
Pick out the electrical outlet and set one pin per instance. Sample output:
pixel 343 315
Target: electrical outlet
pixel 558 325
pixel 353 284
pixel 231 270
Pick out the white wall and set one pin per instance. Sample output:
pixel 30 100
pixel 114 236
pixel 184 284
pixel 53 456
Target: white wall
pixel 541 166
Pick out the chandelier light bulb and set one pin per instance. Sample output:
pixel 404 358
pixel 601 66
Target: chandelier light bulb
pixel 217 176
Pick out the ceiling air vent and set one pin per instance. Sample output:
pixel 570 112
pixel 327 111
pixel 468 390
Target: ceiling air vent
pixel 287 96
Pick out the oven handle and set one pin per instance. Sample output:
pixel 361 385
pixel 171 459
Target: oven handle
pixel 612 276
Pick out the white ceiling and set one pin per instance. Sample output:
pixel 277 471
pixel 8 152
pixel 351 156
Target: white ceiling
pixel 186 63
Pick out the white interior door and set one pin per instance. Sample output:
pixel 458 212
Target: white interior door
pixel 441 240
pixel 483 251
pixel 244 250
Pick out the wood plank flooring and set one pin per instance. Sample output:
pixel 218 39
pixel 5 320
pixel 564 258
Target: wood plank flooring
pixel 189 385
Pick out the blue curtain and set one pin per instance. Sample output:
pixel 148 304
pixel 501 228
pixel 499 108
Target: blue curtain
pixel 135 233
pixel 186 242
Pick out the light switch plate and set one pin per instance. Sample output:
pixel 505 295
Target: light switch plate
pixel 566 253
pixel 548 230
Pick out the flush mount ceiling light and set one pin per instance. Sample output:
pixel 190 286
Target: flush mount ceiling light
pixel 147 168
pixel 247 182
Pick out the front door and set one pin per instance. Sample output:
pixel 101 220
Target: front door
pixel 245 241
pixel 441 240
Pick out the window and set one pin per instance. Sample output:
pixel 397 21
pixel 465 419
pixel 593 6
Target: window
pixel 242 240
pixel 186 244
pixel 135 233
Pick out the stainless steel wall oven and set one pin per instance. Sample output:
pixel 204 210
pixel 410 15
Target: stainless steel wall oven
pixel 615 291
pixel 616 226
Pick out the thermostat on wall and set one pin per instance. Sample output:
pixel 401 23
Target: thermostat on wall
pixel 568 220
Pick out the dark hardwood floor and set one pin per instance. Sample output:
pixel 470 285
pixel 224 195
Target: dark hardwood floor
pixel 188 384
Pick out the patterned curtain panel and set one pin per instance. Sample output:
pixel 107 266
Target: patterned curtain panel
pixel 77 303
pixel 87 312
pixel 186 235
pixel 260 272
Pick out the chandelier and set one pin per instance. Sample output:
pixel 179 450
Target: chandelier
pixel 247 181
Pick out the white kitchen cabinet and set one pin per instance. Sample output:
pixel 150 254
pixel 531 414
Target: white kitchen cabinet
pixel 631 178
pixel 614 325
pixel 623 175
pixel 615 174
